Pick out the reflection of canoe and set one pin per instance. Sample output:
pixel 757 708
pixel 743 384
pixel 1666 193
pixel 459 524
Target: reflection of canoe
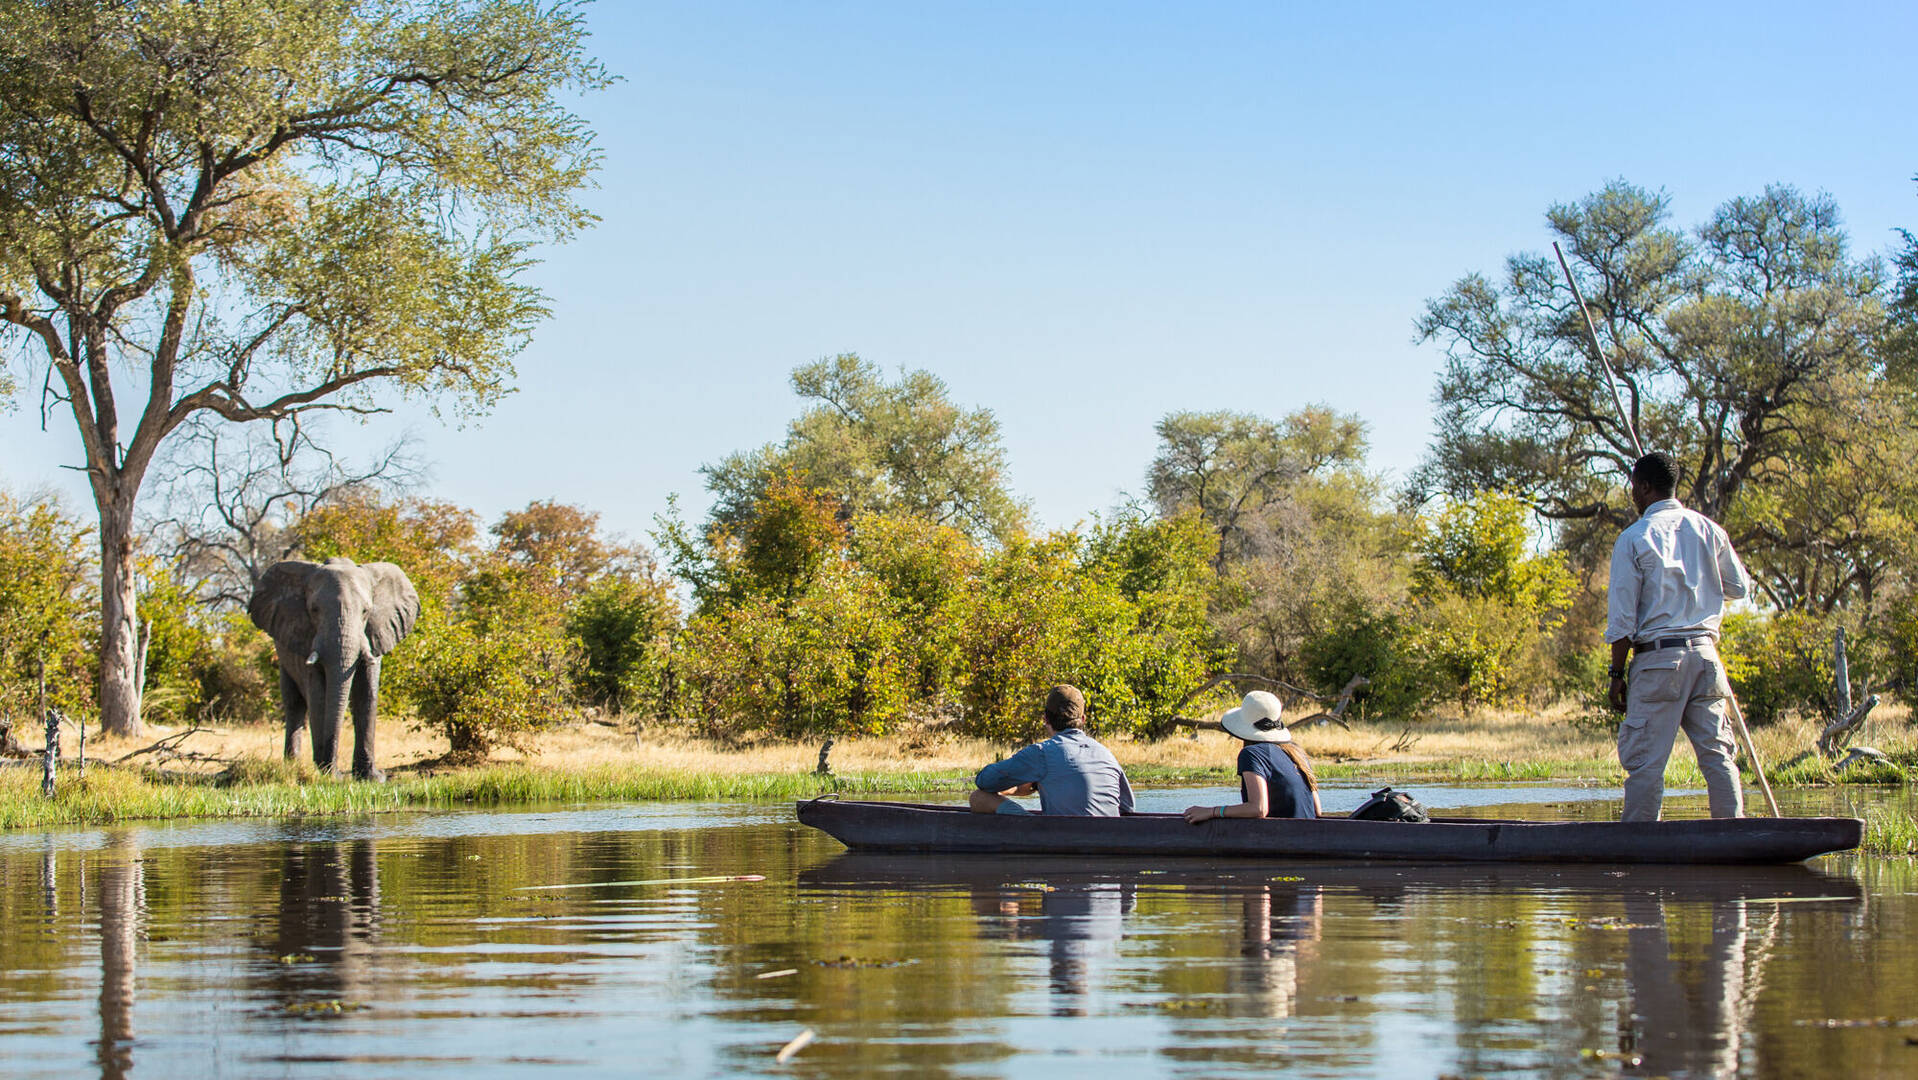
pixel 884 826
pixel 861 870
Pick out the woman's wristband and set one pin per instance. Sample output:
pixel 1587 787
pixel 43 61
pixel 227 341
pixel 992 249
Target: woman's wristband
pixel 1218 811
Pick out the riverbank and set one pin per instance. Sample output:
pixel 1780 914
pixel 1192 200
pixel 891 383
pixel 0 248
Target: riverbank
pixel 237 772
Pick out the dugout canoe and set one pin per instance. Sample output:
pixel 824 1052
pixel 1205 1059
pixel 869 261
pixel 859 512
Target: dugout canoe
pixel 918 827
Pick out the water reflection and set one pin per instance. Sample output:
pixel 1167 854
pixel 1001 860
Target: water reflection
pixel 327 923
pixel 1690 1005
pixel 1081 922
pixel 1281 926
pixel 499 953
pixel 122 891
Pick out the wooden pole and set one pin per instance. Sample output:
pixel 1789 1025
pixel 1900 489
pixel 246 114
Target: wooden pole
pixel 1758 763
pixel 52 760
pixel 1611 380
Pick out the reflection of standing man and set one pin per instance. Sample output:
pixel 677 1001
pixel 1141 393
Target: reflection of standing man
pixel 1672 571
pixel 1691 1001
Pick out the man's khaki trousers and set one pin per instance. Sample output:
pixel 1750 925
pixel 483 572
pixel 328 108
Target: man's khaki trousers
pixel 1672 689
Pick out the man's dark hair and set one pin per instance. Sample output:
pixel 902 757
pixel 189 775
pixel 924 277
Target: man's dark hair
pixel 1657 472
pixel 1065 707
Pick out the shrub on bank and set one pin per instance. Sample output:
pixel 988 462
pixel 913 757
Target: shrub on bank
pixel 49 612
pixel 496 670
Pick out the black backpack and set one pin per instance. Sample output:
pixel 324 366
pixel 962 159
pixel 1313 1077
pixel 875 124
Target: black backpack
pixel 1388 805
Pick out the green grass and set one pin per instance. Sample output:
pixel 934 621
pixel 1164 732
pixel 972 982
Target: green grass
pixel 1890 832
pixel 269 791
pixel 1470 770
pixel 272 788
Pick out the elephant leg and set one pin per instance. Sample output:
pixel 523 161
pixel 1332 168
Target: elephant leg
pixel 365 704
pixel 293 707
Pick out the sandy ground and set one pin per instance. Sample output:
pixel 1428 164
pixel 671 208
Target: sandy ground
pixel 1502 736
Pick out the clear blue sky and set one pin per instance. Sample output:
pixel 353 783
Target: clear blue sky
pixel 1084 216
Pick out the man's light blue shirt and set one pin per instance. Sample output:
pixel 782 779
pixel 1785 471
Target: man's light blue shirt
pixel 1076 776
pixel 1672 571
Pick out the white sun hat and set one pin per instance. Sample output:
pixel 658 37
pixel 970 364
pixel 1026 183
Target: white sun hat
pixel 1257 718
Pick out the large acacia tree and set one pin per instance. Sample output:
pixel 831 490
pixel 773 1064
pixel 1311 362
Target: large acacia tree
pixel 1751 347
pixel 260 208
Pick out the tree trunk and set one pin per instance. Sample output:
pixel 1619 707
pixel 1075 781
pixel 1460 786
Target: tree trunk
pixel 119 664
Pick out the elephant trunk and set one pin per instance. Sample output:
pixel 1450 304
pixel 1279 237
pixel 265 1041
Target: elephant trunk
pixel 335 662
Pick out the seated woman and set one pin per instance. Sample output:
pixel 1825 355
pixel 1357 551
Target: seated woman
pixel 1275 776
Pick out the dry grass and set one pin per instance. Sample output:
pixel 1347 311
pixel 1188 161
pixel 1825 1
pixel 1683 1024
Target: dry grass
pixel 1486 745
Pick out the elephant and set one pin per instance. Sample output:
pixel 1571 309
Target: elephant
pixel 331 622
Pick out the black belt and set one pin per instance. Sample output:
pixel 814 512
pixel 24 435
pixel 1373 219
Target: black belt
pixel 1673 643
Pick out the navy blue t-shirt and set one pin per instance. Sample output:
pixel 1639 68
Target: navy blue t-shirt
pixel 1286 792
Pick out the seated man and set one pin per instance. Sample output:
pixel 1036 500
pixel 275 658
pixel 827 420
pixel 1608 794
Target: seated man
pixel 1073 774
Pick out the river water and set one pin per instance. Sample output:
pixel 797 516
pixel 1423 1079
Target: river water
pixel 579 942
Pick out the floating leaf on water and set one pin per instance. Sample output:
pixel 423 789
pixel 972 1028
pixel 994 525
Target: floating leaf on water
pixel 780 974
pixel 863 962
pixel 297 958
pixel 1594 973
pixel 1038 885
pixel 333 1006
pixel 1288 878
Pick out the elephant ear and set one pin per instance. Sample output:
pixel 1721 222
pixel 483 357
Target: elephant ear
pixel 279 603
pixel 396 607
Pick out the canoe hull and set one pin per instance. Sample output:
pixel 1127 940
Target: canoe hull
pixel 911 827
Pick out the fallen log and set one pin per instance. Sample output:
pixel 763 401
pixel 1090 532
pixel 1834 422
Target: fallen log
pixel 1333 715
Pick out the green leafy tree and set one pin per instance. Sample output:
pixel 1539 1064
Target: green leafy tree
pixel 47 608
pixel 1301 534
pixel 1021 634
pixel 894 447
pixel 1120 614
pixel 1147 654
pixel 1728 341
pixel 826 660
pixel 619 612
pixel 1230 467
pixel 180 642
pixel 925 570
pixel 624 629
pixel 1481 548
pixel 497 671
pixel 1901 350
pixel 269 207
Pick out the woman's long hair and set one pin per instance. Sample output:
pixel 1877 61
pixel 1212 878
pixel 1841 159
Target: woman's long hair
pixel 1304 763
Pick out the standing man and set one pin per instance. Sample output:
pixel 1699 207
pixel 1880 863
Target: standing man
pixel 1073 774
pixel 1672 571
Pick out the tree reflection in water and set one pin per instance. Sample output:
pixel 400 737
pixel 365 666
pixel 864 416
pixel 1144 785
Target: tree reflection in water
pixel 122 891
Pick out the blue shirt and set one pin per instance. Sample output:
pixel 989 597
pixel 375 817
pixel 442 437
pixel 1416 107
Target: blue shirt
pixel 1076 776
pixel 1286 792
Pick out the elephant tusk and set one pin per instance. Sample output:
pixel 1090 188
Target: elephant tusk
pixel 312 658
